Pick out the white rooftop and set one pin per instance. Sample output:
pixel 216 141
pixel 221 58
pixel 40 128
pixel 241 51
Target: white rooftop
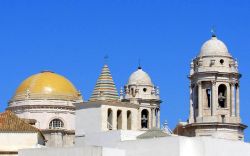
pixel 139 77
pixel 214 47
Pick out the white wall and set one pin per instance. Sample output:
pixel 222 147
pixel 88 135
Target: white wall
pixel 88 120
pixel 165 146
pixel 108 138
pixel 76 151
pixel 169 146
pixel 185 146
pixel 15 141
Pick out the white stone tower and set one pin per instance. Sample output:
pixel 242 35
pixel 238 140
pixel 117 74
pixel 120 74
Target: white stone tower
pixel 141 91
pixel 214 93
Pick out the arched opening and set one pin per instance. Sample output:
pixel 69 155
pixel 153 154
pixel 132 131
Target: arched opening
pixel 110 119
pixel 144 118
pixel 208 93
pixel 195 97
pixel 56 124
pixel 133 92
pixel 119 119
pixel 236 97
pixel 222 96
pixel 129 120
pixel 223 118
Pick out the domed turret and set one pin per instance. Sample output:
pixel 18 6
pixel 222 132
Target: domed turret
pixel 214 57
pixel 141 91
pixel 140 86
pixel 139 77
pixel 214 47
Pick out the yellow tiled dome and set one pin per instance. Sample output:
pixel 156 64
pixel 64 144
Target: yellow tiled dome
pixel 46 85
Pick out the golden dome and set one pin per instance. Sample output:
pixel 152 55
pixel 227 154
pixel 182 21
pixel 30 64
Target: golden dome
pixel 46 85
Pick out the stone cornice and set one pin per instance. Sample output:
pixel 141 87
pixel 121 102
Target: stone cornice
pixel 64 131
pixel 41 106
pixel 216 125
pixel 149 100
pixel 93 104
pixel 215 72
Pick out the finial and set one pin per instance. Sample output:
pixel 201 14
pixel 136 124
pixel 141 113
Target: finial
pixel 79 93
pixel 121 91
pixel 106 57
pixel 213 31
pixel 165 123
pixel 139 64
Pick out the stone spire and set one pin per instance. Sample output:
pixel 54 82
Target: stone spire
pixel 105 87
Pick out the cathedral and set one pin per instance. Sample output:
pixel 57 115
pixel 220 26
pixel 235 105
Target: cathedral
pixel 128 123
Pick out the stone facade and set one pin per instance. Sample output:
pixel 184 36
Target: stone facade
pixel 44 111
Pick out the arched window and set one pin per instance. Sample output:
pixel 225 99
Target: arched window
pixel 222 96
pixel 208 93
pixel 144 118
pixel 133 92
pixel 195 97
pixel 56 124
pixel 129 120
pixel 110 119
pixel 119 119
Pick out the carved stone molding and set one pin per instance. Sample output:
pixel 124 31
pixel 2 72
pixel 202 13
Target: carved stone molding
pixel 213 83
pixel 199 83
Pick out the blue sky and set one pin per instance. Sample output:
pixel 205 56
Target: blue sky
pixel 72 37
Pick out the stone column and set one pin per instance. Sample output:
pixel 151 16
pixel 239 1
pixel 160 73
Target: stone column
pixel 158 119
pixel 153 117
pixel 214 98
pixel 232 87
pixel 104 119
pixel 124 119
pixel 149 119
pixel 238 101
pixel 191 105
pixel 139 119
pixel 228 99
pixel 200 101
pixel 114 124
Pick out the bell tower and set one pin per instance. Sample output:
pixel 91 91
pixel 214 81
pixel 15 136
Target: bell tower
pixel 215 93
pixel 141 91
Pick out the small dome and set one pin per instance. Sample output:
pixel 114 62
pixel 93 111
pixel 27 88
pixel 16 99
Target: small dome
pixel 46 85
pixel 139 77
pixel 214 47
